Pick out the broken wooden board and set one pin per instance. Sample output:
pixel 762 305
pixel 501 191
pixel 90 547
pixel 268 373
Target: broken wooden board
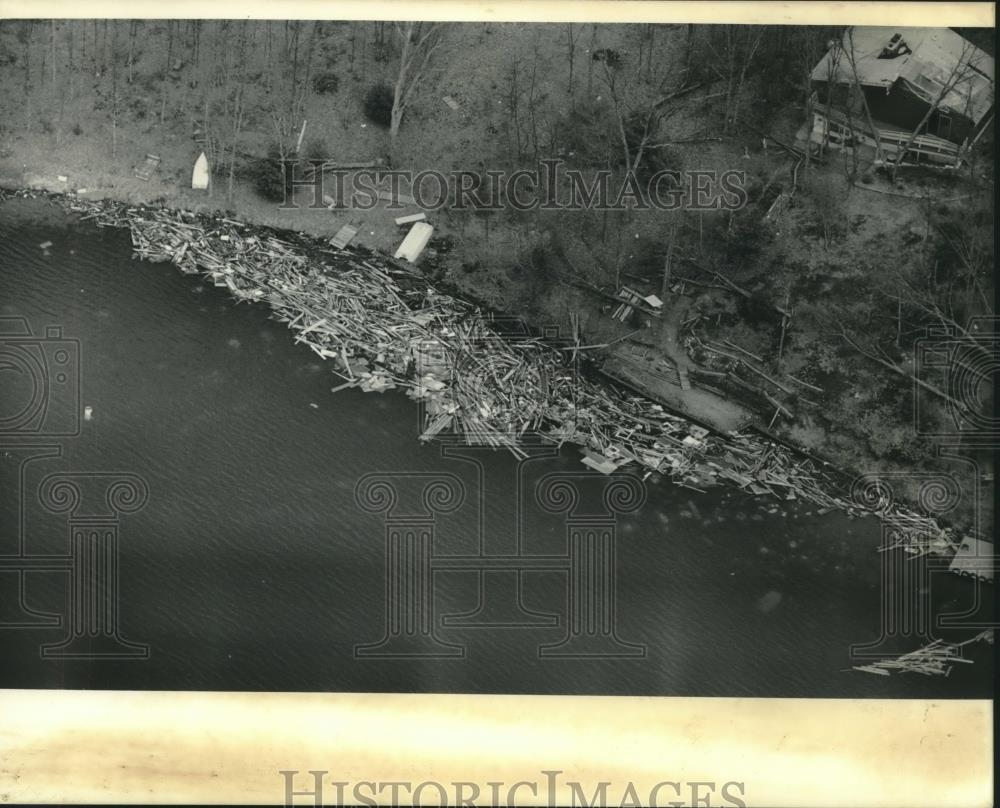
pixel 598 462
pixel 344 236
pixel 145 171
pixel 683 376
pixel 411 218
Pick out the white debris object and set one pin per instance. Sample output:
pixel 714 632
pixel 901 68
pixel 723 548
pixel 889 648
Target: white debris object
pixel 88 413
pixel 415 242
pixel 411 218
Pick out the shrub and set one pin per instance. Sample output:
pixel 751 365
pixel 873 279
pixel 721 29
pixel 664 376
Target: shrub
pixel 267 176
pixel 325 83
pixel 77 129
pixel 378 104
pixel 316 149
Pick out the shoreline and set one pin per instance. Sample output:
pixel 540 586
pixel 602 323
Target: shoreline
pixel 680 450
pixel 444 353
pixel 844 457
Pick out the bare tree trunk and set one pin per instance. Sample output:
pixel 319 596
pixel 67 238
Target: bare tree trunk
pixel 419 41
pixel 295 70
pixel 590 63
pixel 133 27
pixel 668 265
pixel 208 145
pixel 962 407
pixel 571 55
pixel 310 47
pixel 71 61
pixel 53 45
pixel 269 56
pixel 26 58
pixel 114 92
pixel 785 319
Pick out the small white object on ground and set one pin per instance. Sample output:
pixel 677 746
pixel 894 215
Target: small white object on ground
pixel 88 413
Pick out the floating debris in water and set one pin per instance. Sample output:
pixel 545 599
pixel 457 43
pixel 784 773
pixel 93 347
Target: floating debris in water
pixel 385 327
pixel 935 659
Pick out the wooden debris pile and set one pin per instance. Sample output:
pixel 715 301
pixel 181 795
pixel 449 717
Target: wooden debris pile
pixel 384 327
pixel 935 659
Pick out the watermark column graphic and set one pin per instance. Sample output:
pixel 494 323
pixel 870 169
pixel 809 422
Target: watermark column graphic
pixel 963 364
pixel 976 563
pixel 40 411
pixel 94 631
pixel 460 381
pixel 413 567
pixel 15 611
pixel 591 545
pixel 500 577
pixel 959 366
pixel 499 585
pixel 410 629
pixel 905 608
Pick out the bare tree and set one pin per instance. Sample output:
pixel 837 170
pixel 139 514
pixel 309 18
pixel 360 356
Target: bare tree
pixel 590 62
pixel 669 257
pixel 732 52
pixel 24 37
pixel 237 108
pixel 114 91
pixel 639 105
pixel 572 35
pixel 878 355
pixel 419 42
pixel 53 46
pixel 852 60
pixel 523 104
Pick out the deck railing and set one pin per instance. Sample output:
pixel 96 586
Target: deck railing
pixel 837 130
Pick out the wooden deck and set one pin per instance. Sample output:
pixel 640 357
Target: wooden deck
pixel 841 132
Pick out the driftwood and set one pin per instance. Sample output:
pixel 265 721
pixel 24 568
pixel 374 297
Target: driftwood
pixel 382 328
pixel 935 659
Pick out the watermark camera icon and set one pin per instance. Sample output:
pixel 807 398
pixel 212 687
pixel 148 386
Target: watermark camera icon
pixel 962 365
pixel 39 381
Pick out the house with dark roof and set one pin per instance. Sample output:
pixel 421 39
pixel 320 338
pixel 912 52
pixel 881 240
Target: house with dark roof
pixel 927 92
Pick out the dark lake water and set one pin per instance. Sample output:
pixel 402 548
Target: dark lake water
pixel 251 567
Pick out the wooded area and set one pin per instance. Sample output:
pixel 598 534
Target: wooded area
pixel 831 275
